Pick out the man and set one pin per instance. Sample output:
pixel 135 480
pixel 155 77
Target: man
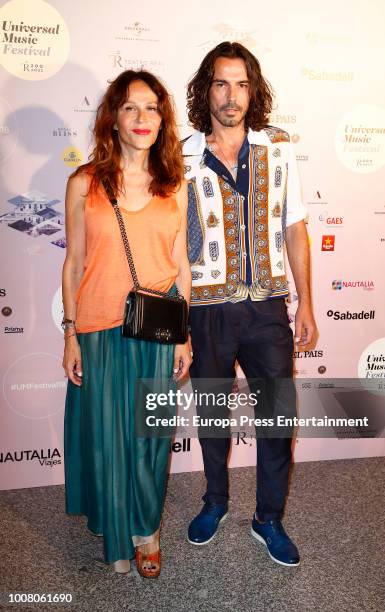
pixel 244 203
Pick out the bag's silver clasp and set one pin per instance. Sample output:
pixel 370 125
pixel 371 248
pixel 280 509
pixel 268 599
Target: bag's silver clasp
pixel 162 334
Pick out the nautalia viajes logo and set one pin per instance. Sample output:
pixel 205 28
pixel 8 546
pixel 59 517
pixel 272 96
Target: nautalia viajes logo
pixel 47 458
pixel 367 285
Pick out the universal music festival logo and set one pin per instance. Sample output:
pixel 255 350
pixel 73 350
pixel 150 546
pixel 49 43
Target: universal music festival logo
pixel 35 39
pixel 35 215
pixel 360 139
pixel 15 34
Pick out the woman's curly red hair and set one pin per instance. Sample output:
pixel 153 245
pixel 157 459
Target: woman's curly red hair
pixel 261 93
pixel 165 163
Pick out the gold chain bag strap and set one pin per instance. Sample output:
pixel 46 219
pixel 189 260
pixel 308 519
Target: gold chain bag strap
pixel 149 314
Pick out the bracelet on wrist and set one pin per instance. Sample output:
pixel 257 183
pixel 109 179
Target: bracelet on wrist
pixel 66 336
pixel 67 323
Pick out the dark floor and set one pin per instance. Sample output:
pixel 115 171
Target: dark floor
pixel 335 513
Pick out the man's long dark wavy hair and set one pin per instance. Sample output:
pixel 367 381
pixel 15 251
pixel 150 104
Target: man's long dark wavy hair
pixel 261 93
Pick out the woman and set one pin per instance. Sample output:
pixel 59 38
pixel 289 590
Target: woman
pixel 113 477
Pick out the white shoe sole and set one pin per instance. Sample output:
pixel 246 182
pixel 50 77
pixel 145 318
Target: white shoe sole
pixel 212 537
pixel 260 539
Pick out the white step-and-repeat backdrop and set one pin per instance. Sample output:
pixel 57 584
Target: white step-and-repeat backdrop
pixel 325 62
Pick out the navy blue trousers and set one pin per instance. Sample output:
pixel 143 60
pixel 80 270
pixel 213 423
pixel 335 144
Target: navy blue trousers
pixel 258 336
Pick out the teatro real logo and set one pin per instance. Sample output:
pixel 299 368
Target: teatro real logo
pixel 125 61
pixel 34 215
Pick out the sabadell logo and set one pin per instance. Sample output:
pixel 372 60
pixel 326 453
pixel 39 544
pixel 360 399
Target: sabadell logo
pixel 350 316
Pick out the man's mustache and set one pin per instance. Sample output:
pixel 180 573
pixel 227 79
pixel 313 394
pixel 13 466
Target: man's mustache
pixel 230 107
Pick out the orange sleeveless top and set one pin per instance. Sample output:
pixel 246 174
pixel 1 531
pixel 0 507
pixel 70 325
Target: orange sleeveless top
pixel 106 280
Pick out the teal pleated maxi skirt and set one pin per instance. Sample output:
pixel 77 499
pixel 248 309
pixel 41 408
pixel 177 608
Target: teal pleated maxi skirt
pixel 117 480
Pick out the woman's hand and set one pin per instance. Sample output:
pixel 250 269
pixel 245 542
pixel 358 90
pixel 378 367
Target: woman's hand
pixel 182 360
pixel 72 360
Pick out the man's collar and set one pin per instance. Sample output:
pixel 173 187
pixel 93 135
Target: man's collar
pixel 196 143
pixel 258 138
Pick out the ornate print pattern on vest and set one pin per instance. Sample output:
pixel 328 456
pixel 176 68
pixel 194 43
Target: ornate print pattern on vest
pixel 259 235
pixel 208 187
pixel 195 224
pixel 231 237
pixel 217 220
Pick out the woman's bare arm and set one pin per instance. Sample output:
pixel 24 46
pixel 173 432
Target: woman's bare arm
pixel 73 270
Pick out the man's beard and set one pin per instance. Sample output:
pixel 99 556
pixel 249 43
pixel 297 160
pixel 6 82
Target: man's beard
pixel 227 121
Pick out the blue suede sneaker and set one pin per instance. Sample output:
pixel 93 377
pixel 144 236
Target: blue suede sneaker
pixel 204 526
pixel 279 546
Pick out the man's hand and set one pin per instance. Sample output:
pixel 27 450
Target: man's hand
pixel 305 326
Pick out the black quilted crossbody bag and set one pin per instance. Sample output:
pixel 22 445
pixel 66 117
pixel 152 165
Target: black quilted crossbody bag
pixel 150 314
